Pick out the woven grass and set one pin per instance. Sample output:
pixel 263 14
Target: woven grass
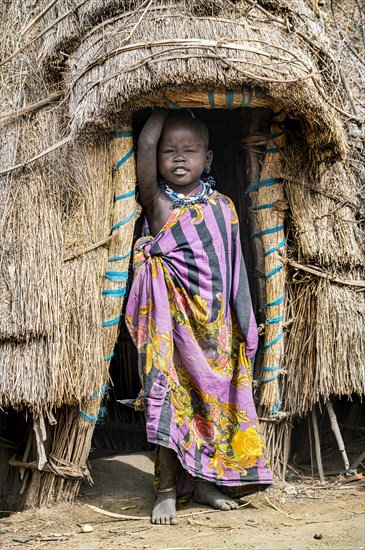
pixel 167 52
pixel 71 72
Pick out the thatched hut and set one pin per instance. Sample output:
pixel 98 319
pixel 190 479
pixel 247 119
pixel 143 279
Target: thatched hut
pixel 78 79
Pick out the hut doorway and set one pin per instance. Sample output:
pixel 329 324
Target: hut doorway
pixel 238 139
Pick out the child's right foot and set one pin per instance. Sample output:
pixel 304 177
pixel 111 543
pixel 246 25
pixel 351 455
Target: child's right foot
pixel 164 510
pixel 208 493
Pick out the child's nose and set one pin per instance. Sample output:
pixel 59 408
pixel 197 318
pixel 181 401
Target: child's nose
pixel 179 156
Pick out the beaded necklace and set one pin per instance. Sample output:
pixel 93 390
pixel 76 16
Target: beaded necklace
pixel 179 199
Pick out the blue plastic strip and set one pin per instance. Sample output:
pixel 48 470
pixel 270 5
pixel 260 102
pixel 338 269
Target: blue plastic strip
pixel 274 271
pixel 249 99
pixel 117 276
pixel 211 100
pixel 126 220
pixel 111 322
pixel 276 407
pixel 278 134
pixel 125 158
pixel 260 206
pixel 263 183
pixel 110 356
pixel 275 302
pixel 267 231
pixel 125 195
pixel 271 369
pixel 229 99
pixel 117 258
pixel 269 344
pixel 274 320
pixel 115 293
pixel 88 417
pixel 123 133
pixel 172 103
pixel 101 391
pixel 264 380
pixel 275 248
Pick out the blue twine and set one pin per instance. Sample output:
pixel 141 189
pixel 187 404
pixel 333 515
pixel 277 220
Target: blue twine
pixel 272 369
pixel 276 408
pixel 125 195
pixel 274 271
pixel 172 103
pixel 263 183
pixel 229 99
pixel 278 134
pixel 260 206
pixel 211 100
pixel 88 417
pixel 117 276
pixel 275 248
pixel 111 322
pixel 249 99
pixel 267 231
pixel 126 220
pixel 115 293
pixel 117 258
pixel 274 341
pixel 125 158
pixel 275 302
pixel 101 391
pixel 110 356
pixel 273 320
pixel 123 133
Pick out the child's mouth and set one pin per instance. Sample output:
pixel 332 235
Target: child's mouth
pixel 180 171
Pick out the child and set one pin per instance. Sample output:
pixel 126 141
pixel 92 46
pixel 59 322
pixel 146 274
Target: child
pixel 189 313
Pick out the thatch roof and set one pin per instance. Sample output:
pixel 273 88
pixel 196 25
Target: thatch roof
pixel 94 63
pixel 123 62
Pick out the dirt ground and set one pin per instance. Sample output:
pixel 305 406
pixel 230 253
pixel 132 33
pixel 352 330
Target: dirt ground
pixel 291 516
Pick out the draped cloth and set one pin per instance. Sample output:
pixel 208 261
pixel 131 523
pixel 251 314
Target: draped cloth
pixel 189 313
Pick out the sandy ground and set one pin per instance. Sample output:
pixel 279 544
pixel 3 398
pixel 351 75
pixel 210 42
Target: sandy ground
pixel 291 516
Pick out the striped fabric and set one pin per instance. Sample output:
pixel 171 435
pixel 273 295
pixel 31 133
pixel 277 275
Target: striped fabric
pixel 189 313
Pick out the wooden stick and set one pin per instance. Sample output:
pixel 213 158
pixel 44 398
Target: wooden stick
pixel 32 107
pixel 40 155
pixel 337 432
pixel 319 273
pixel 317 445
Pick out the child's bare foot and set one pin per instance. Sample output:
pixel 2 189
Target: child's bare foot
pixel 208 493
pixel 164 510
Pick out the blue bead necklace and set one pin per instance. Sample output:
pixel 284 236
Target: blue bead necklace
pixel 179 199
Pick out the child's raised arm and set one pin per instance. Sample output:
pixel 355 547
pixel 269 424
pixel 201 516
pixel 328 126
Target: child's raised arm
pixel 153 201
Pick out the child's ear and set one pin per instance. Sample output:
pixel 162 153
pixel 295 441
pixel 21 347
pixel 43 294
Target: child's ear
pixel 208 159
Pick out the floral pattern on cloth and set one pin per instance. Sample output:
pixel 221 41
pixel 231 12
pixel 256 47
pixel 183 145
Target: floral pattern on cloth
pixel 189 313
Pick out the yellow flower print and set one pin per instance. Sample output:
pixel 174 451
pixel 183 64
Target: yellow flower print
pixel 199 308
pixel 149 358
pixel 247 444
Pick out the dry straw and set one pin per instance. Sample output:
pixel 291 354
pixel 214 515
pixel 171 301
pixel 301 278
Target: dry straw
pixel 72 74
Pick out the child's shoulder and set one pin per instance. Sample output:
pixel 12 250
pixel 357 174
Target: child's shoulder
pixel 224 200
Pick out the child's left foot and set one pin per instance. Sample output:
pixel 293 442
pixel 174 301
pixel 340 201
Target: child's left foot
pixel 208 493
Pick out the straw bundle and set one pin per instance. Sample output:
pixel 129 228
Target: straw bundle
pixel 122 63
pixel 328 234
pixel 325 347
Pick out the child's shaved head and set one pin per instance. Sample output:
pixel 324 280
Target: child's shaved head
pixel 186 118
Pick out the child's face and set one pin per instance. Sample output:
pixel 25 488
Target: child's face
pixel 183 155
